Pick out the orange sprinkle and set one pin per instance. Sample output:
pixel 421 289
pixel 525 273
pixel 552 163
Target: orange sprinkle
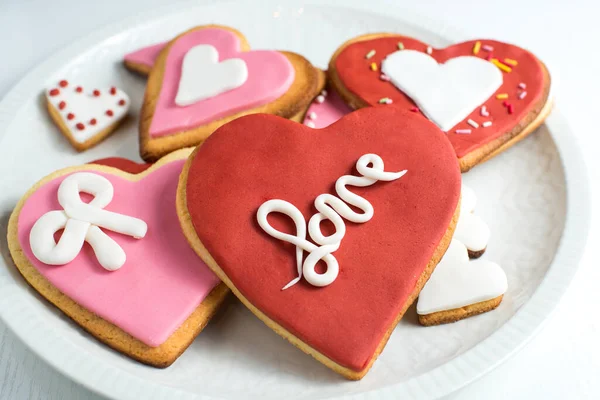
pixel 502 96
pixel 510 61
pixel 374 67
pixel 476 47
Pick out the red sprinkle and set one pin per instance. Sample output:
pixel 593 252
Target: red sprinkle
pixel 489 56
pixel 93 121
pixel 113 90
pixel 79 89
pixel 121 102
pixel 109 113
pixel 63 83
pixel 96 92
pixel 54 92
pixel 62 105
pixel 80 126
pixel 510 109
pixel 505 103
pixel 70 116
pixel 415 109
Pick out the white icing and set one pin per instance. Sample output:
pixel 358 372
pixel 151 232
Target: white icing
pixel 446 93
pixel 85 107
pixel 471 230
pixel 203 76
pixel 457 282
pixel 82 222
pixel 331 208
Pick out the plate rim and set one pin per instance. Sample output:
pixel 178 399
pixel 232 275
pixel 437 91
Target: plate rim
pixel 102 378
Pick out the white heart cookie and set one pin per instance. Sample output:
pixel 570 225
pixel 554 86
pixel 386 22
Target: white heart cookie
pixel 446 93
pixel 457 282
pixel 87 114
pixel 203 76
pixel 471 230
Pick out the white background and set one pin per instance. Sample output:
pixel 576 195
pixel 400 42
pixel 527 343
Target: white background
pixel 563 361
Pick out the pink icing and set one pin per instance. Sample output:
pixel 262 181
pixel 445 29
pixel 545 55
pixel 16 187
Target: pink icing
pixel 327 112
pixel 145 56
pixel 163 280
pixel 270 74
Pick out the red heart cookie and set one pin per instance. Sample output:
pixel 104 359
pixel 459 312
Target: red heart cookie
pixel 160 295
pixel 383 263
pixel 208 76
pixel 519 104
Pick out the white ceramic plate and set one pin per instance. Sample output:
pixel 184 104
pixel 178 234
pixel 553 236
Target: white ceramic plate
pixel 534 197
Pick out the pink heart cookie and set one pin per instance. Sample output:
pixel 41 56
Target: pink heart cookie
pixel 262 81
pixel 160 297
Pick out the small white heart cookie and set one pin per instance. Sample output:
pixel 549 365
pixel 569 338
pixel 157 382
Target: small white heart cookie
pixel 459 288
pixel 203 76
pixel 86 117
pixel 446 93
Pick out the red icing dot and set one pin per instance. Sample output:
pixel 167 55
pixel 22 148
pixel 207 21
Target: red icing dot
pixel 54 92
pixel 109 113
pixel 80 126
pixel 113 90
pixel 121 102
pixel 63 83
pixel 93 121
pixel 96 92
pixel 79 89
pixel 62 105
pixel 70 116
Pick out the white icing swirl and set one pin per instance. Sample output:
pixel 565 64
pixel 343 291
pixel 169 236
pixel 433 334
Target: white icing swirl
pixel 331 208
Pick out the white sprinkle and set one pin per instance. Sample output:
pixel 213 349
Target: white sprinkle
pixel 312 115
pixel 429 50
pixel 486 124
pixel 310 124
pixel 463 131
pixel 324 93
pixel 484 112
pixel 522 85
pixel 384 77
pixel 472 123
pixel 389 101
pixel 370 54
pixel 487 47
pixel 522 95
pixel 320 98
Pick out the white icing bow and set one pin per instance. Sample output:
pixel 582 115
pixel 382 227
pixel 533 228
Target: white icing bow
pixel 333 209
pixel 82 222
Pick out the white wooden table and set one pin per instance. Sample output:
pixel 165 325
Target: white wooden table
pixel 563 361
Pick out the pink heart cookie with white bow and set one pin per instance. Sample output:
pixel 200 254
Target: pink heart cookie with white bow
pixel 207 76
pixel 136 285
pixel 86 117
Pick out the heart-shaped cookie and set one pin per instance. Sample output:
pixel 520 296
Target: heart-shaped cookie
pixel 85 117
pixel 480 116
pixel 160 296
pixel 385 255
pixel 180 111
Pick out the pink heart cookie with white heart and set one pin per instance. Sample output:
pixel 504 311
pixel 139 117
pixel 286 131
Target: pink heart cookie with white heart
pixel 137 286
pixel 85 117
pixel 208 76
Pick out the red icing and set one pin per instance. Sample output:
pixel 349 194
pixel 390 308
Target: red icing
pixel 54 92
pixel 93 121
pixel 110 113
pixel 63 83
pixel 356 75
pixel 123 164
pixel 96 92
pixel 70 116
pixel 113 90
pixel 79 89
pixel 62 105
pixel 80 126
pixel 122 102
pixel 260 157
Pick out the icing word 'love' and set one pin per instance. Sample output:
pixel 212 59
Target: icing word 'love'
pixel 446 93
pixel 203 76
pixel 82 222
pixel 331 208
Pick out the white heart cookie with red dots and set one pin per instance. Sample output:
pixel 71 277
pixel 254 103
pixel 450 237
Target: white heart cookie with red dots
pixel 86 117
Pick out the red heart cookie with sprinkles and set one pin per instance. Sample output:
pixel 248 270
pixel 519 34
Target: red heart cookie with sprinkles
pixel 486 95
pixel 208 76
pixel 86 116
pixel 252 199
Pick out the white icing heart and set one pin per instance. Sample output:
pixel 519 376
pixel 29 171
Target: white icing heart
pixel 457 282
pixel 471 230
pixel 84 113
pixel 203 76
pixel 446 93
